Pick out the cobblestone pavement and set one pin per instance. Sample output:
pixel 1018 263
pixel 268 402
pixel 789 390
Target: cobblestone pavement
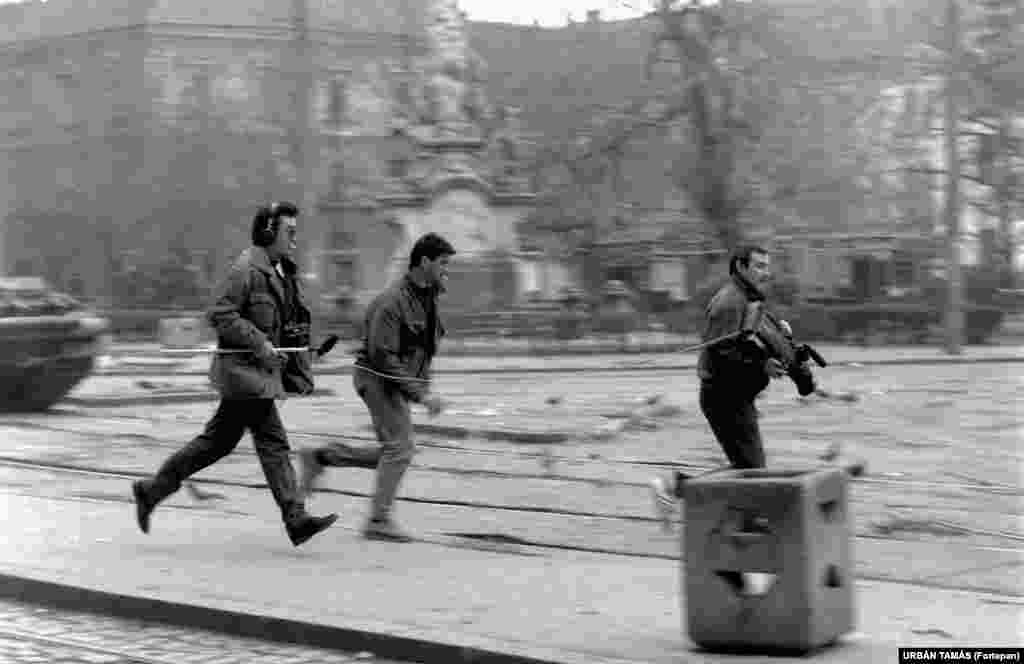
pixel 31 634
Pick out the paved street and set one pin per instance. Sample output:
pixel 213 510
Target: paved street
pixel 941 442
pixel 492 356
pixel 939 508
pixel 38 635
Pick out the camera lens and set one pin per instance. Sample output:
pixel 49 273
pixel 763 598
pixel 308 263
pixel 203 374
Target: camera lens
pixel 803 378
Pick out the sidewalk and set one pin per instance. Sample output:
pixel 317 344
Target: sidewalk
pixel 231 568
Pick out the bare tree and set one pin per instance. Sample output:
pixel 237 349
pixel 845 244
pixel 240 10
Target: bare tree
pixel 766 130
pixel 973 47
pixel 954 311
pixel 305 154
pixel 707 41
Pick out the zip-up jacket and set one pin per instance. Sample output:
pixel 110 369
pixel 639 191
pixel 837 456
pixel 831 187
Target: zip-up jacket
pixel 256 304
pixel 402 334
pixel 738 364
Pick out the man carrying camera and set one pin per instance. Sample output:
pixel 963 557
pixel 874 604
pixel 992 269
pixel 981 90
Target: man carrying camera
pixel 260 309
pixel 732 372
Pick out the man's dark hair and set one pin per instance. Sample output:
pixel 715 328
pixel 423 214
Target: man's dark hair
pixel 430 246
pixel 268 219
pixel 741 256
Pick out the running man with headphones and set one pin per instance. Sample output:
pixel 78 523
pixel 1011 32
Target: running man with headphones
pixel 392 370
pixel 260 308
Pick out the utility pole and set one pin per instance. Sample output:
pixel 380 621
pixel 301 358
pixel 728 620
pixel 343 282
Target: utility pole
pixel 305 153
pixel 954 308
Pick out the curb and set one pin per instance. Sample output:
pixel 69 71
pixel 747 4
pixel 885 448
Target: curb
pixel 162 399
pixel 381 644
pixel 248 625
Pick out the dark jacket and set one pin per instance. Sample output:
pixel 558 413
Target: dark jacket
pixel 401 337
pixel 255 305
pixel 737 365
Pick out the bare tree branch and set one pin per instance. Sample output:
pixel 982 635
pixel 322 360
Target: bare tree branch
pixel 794 192
pixel 938 171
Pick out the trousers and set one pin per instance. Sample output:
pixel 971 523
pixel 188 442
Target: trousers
pixel 219 438
pixel 733 420
pixel 392 424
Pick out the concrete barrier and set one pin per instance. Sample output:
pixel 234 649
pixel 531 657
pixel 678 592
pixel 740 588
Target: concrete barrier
pixel 767 559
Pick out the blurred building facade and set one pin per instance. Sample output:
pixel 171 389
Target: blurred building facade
pixel 135 130
pixel 134 133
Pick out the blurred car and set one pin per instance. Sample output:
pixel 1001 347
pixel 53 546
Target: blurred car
pixel 49 342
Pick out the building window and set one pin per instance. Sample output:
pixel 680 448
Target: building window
pixel 336 103
pixel 120 122
pixel 337 181
pixel 200 91
pixel 398 167
pixel 66 80
pixel 342 270
pixel 623 273
pixel 902 269
pixel 530 278
pixel 404 94
pixel 343 241
pixel 669 275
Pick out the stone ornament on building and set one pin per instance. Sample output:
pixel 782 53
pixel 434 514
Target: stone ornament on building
pixel 452 98
pixel 465 218
pixel 286 170
pixel 502 142
pixel 509 151
pixel 231 84
pixel 443 109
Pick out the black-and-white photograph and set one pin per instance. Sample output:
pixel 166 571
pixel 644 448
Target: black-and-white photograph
pixel 466 331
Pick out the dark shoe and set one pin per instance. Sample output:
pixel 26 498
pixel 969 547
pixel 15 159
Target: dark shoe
pixel 309 470
pixel 143 505
pixel 681 479
pixel 385 530
pixel 305 527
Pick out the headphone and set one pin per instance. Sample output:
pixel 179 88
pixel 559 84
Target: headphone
pixel 266 235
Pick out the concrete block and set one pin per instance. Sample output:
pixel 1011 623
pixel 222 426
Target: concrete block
pixel 767 559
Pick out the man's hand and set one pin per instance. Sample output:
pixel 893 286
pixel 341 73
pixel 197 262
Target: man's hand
pixel 774 368
pixel 434 404
pixel 270 355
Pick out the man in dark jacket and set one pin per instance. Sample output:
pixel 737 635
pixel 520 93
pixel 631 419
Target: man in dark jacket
pixel 392 370
pixel 732 372
pixel 260 307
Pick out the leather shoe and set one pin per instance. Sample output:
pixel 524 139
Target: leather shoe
pixel 143 505
pixel 307 526
pixel 386 531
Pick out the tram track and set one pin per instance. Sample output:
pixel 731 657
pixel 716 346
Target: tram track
pixel 427 441
pixel 555 530
pixel 126 474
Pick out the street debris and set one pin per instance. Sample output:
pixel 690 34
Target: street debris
pixel 933 632
pixel 201 495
